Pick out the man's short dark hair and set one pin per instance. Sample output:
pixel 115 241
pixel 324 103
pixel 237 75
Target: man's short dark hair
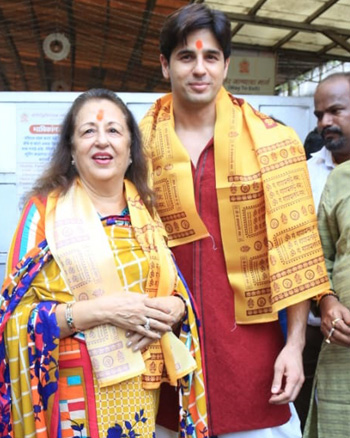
pixel 190 18
pixel 313 143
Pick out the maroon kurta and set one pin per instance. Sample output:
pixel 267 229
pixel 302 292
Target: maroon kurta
pixel 238 359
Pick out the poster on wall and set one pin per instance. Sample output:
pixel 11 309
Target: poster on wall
pixel 38 127
pixel 251 73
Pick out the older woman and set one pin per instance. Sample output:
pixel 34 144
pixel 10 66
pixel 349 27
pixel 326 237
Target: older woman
pixel 92 294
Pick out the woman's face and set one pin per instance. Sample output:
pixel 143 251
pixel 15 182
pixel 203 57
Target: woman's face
pixel 101 143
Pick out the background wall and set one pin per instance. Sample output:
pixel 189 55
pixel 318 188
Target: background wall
pixel 21 158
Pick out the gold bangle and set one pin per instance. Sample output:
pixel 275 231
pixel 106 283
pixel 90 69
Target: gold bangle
pixel 69 317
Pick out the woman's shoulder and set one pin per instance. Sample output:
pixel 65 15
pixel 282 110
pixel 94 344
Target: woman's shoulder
pixel 39 200
pixel 34 204
pixel 30 230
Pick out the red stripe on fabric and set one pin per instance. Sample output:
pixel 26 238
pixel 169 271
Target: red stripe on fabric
pixel 90 391
pixel 76 406
pixel 85 363
pixel 55 415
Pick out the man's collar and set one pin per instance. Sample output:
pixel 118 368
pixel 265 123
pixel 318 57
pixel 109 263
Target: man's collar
pixel 325 156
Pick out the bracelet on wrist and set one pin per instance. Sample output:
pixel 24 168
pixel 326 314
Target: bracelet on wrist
pixel 330 294
pixel 184 301
pixel 69 317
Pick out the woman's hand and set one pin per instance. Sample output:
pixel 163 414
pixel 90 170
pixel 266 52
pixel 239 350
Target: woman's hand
pixel 137 313
pixel 137 341
pixel 172 305
pixel 150 318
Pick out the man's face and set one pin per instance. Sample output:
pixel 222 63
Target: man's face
pixel 196 70
pixel 332 109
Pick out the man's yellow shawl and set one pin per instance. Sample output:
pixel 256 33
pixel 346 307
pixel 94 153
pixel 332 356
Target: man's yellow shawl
pixel 268 224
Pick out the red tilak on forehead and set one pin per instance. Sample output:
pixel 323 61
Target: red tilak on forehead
pixel 99 115
pixel 199 44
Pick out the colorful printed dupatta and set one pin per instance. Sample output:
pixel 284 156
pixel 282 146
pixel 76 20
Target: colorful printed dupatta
pixel 43 352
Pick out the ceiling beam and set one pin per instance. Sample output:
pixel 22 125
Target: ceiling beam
pixel 309 19
pixel 313 57
pixel 41 57
pixel 13 49
pixel 337 39
pixel 284 24
pixel 101 73
pixel 251 11
pixel 154 79
pixel 72 40
pixel 96 77
pixel 135 57
pixel 5 81
pixel 325 49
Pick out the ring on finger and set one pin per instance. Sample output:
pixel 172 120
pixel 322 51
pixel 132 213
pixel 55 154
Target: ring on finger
pixel 147 324
pixel 328 340
pixel 334 322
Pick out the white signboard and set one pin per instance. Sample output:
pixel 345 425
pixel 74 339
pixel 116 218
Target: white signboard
pixel 38 127
pixel 251 73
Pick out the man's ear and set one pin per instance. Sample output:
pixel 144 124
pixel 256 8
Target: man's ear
pixel 227 63
pixel 165 66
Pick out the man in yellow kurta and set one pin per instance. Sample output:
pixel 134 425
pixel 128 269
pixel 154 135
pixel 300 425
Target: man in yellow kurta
pixel 234 196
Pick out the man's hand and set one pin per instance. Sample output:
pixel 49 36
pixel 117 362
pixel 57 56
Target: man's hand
pixel 288 370
pixel 288 376
pixel 335 321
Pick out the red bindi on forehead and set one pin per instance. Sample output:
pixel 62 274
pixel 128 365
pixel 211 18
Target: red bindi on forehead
pixel 99 115
pixel 199 44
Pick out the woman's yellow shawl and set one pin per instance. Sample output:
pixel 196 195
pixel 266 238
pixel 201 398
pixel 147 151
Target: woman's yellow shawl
pixel 28 330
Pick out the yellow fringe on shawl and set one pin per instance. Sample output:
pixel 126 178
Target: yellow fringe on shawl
pixel 76 238
pixel 268 224
pixel 80 247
